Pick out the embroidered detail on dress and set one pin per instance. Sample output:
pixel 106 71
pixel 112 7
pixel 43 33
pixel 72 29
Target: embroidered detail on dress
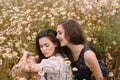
pixel 52 69
pixel 41 72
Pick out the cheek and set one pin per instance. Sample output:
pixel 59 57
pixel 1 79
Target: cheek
pixel 52 50
pixel 64 38
pixel 41 49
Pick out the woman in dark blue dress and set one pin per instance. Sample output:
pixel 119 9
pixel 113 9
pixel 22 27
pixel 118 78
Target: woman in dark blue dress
pixel 72 38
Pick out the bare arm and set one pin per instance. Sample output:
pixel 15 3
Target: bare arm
pixel 92 62
pixel 48 65
pixel 18 70
pixel 28 63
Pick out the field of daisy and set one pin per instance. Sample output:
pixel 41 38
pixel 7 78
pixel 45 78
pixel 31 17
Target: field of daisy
pixel 20 20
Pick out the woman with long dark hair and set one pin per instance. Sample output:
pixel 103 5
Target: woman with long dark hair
pixel 52 64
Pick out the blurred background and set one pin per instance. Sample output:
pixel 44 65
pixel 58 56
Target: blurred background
pixel 20 21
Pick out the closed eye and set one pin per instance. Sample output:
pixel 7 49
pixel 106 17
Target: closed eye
pixel 59 32
pixel 47 45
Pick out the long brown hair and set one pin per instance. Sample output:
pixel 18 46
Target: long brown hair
pixel 51 34
pixel 73 31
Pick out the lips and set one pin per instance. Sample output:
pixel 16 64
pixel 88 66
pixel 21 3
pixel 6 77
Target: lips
pixel 60 40
pixel 45 53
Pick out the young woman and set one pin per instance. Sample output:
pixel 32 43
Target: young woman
pixel 72 38
pixel 52 64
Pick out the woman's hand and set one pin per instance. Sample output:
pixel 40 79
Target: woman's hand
pixel 30 53
pixel 26 55
pixel 31 59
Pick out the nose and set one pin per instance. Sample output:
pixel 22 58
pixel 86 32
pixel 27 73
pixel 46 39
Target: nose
pixel 57 36
pixel 43 49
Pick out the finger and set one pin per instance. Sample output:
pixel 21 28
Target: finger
pixel 30 54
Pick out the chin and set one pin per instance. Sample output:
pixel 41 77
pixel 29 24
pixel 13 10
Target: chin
pixel 63 45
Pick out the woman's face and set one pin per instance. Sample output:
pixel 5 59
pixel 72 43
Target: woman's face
pixel 61 35
pixel 46 46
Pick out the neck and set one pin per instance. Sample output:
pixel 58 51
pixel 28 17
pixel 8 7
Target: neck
pixel 76 49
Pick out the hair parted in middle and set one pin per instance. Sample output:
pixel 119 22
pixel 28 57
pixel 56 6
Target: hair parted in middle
pixel 51 35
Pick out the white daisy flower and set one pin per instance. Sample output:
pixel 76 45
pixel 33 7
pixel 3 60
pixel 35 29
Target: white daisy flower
pixel 111 74
pixel 52 69
pixel 41 72
pixel 67 63
pixel 74 69
pixel 22 78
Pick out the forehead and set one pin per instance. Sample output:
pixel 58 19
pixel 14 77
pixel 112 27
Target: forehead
pixel 60 28
pixel 44 40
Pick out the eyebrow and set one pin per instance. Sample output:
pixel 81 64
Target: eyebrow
pixel 44 44
pixel 59 31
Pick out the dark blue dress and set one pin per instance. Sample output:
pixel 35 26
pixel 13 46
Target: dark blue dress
pixel 83 72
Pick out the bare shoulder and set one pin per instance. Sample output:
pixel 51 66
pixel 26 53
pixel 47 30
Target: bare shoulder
pixel 89 54
pixel 90 57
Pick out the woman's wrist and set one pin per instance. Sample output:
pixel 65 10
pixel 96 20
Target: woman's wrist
pixel 30 67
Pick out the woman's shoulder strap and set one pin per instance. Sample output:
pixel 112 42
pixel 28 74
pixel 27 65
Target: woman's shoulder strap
pixel 85 48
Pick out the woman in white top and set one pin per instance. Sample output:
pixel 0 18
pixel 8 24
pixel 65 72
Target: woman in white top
pixel 52 62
